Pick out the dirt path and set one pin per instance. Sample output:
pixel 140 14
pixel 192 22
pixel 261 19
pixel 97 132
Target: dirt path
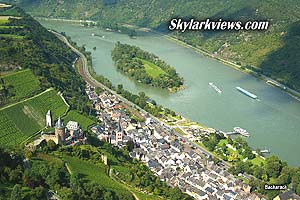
pixel 49 89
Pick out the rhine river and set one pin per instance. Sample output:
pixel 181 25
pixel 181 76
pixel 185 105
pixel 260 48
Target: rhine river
pixel 273 122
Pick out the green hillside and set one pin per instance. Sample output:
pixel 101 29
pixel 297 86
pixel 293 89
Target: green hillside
pixel 18 85
pixel 274 52
pixel 25 44
pixel 22 120
pixel 96 173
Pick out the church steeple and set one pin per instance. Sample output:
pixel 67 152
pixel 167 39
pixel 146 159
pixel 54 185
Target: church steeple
pixel 119 124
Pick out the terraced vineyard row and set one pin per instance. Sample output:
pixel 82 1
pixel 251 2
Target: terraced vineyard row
pixel 21 84
pixel 22 120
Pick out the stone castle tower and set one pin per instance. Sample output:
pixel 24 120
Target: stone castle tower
pixel 49 119
pixel 60 131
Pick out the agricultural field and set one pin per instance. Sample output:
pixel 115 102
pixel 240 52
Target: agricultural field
pixel 83 121
pixel 96 173
pixel 20 84
pixel 152 69
pixel 22 120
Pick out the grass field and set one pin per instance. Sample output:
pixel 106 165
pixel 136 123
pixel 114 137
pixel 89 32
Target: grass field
pixel 258 160
pixel 152 69
pixel 22 83
pixel 95 173
pixel 83 121
pixel 20 121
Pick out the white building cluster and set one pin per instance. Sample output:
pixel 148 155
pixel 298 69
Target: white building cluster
pixel 170 158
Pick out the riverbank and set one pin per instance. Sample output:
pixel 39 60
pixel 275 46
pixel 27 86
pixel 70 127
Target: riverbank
pixel 291 92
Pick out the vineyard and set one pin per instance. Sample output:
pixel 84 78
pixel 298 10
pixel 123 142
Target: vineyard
pixel 83 121
pixel 22 120
pixel 20 84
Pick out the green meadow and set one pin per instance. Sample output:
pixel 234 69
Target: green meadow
pixel 152 69
pixel 83 121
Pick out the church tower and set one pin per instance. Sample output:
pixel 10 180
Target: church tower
pixel 49 119
pixel 119 133
pixel 60 131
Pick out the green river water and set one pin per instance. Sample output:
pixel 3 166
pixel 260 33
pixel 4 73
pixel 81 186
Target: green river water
pixel 273 122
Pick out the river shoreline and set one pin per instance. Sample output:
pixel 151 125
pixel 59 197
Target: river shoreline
pixel 291 92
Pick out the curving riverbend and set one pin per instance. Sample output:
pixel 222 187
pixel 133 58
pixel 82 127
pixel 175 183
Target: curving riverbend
pixel 274 121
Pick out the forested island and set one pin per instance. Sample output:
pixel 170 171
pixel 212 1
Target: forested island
pixel 146 67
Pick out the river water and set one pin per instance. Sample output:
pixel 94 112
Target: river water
pixel 273 121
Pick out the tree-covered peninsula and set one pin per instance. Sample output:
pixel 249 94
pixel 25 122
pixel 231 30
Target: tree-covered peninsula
pixel 146 67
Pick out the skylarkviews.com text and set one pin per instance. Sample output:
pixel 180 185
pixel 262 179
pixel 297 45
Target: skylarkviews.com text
pixel 192 24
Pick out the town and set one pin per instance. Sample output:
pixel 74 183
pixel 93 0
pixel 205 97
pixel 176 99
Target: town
pixel 170 157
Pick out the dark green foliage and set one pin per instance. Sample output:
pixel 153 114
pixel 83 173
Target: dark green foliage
pixel 273 166
pixel 16 193
pixel 284 63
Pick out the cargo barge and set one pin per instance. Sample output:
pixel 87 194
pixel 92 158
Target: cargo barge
pixel 249 94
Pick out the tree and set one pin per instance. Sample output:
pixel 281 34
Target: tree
pixel 273 166
pixel 130 145
pixel 258 171
pixel 298 189
pixel 16 193
pixel 108 195
pixel 28 154
pixel 38 193
pixel 120 89
pixel 51 145
pixel 16 175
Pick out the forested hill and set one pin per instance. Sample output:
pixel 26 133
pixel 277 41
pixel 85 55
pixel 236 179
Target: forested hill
pixel 25 44
pixel 275 52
